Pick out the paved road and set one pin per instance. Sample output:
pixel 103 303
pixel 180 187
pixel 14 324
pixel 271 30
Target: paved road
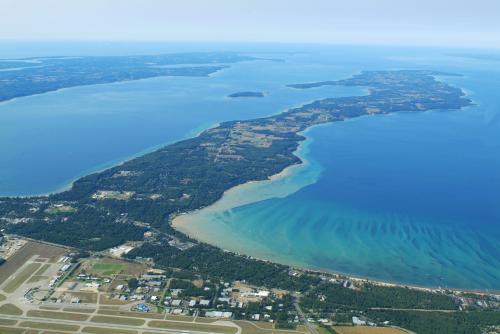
pixel 312 328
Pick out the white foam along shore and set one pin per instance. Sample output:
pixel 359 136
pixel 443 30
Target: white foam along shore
pixel 288 181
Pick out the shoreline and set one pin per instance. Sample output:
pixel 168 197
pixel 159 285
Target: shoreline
pixel 228 202
pixel 281 175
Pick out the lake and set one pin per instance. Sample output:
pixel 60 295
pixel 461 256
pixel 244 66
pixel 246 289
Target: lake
pixel 410 198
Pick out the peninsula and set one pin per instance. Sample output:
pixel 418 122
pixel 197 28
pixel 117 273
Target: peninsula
pixel 134 202
pixel 24 77
pixel 110 207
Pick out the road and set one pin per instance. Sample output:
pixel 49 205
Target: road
pixel 310 327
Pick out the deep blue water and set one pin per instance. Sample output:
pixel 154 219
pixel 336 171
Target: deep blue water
pixel 410 197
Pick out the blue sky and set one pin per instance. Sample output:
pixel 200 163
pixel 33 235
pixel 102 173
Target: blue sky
pixel 423 22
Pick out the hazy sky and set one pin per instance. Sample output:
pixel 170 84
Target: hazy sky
pixel 417 22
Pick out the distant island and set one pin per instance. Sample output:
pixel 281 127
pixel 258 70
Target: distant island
pixel 29 76
pixel 312 84
pixel 246 94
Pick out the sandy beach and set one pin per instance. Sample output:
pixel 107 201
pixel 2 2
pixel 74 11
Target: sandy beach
pixel 286 182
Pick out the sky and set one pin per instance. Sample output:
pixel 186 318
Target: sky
pixel 386 22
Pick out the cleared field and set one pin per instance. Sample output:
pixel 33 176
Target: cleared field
pixel 98 330
pixel 7 322
pixel 58 315
pixel 10 309
pixel 20 278
pixel 26 252
pixel 105 300
pixel 186 326
pixel 367 330
pixel 46 325
pixel 11 330
pixel 117 320
pixel 131 314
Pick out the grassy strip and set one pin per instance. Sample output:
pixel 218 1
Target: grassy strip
pixel 11 330
pixel 34 279
pixel 10 309
pixel 117 320
pixel 185 318
pixel 18 280
pixel 132 314
pixel 42 270
pixel 51 308
pixel 46 325
pixel 99 330
pixel 186 326
pixel 78 310
pixel 57 315
pixel 8 322
pixel 204 320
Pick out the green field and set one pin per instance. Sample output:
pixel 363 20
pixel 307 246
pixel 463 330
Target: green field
pixel 186 326
pixel 10 309
pixel 19 279
pixel 45 325
pixel 107 268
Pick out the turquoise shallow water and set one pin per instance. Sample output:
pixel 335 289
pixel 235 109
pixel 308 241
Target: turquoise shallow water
pixel 410 198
